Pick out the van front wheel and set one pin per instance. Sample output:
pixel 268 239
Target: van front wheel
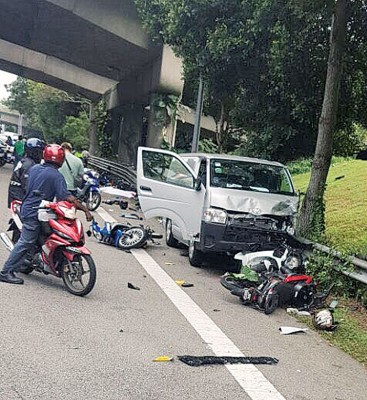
pixel 195 256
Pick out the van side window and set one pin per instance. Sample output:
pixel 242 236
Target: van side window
pixel 166 168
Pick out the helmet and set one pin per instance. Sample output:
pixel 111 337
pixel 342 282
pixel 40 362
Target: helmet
pixel 34 143
pixel 53 153
pixel 324 320
pixel 34 149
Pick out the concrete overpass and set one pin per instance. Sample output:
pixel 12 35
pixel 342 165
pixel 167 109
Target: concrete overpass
pixel 92 48
pixel 12 117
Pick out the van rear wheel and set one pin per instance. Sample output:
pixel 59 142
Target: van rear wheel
pixel 195 256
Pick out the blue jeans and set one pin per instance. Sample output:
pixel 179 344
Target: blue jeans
pixel 30 232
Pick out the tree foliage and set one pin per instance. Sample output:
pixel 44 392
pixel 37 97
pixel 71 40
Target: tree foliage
pixel 57 114
pixel 264 64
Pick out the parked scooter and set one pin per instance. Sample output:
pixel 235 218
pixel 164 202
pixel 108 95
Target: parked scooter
pixel 90 193
pixel 60 250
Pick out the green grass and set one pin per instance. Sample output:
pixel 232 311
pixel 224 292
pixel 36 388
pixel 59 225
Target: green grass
pixel 346 205
pixel 346 231
pixel 349 336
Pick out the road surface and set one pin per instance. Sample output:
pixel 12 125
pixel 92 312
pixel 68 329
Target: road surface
pixel 58 346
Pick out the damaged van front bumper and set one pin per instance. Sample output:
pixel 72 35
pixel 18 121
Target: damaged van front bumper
pixel 244 233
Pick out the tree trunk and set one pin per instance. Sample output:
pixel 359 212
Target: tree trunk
pixel 311 219
pixel 93 140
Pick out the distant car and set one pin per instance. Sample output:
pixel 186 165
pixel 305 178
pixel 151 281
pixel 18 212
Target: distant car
pixel 216 203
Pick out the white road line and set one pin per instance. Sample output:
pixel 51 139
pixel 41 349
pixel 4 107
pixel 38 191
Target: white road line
pixel 248 376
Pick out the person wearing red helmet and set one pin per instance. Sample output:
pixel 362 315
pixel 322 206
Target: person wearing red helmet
pixel 44 183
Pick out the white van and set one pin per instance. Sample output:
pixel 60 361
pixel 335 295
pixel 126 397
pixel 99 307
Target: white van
pixel 216 203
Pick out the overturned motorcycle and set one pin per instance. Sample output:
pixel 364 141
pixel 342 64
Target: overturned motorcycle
pixel 123 236
pixel 60 249
pixel 271 279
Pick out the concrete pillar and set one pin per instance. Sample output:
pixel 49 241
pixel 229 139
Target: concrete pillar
pixel 130 132
pixel 160 126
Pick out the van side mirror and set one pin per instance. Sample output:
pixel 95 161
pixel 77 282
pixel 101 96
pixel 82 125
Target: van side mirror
pixel 198 184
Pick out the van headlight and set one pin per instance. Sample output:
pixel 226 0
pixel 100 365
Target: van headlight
pixel 215 216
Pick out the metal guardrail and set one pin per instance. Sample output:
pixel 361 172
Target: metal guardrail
pixel 360 272
pixel 120 170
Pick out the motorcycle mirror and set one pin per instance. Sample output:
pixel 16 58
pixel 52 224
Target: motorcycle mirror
pixel 89 233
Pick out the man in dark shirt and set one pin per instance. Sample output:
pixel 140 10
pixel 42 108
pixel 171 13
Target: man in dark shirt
pixel 17 186
pixel 44 183
pixel 33 155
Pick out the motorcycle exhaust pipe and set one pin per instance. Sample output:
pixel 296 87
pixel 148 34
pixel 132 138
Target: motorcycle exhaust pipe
pixel 6 240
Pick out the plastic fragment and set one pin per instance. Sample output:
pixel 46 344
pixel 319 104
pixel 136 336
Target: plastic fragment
pixel 169 263
pixel 186 284
pixel 294 311
pixel 194 361
pixel 131 286
pixel 180 282
pixel 288 330
pixel 163 359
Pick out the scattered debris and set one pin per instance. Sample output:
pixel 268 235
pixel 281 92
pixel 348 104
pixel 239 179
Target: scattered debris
pixel 216 310
pixel 184 283
pixel 339 177
pixel 131 216
pixel 121 331
pixel 163 359
pixel 289 330
pixel 208 360
pixel 333 304
pixel 118 192
pixel 295 311
pixel 131 286
pixel 169 263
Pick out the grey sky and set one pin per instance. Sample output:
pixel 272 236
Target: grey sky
pixel 5 78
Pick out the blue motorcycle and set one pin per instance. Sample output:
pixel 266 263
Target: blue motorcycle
pixel 90 193
pixel 122 236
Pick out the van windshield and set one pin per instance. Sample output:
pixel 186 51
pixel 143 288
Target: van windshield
pixel 240 175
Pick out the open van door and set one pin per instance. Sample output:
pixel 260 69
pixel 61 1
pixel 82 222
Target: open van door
pixel 169 188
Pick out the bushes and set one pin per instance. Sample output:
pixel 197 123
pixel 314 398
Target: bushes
pixel 304 165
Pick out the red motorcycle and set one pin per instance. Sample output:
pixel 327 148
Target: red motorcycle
pixel 60 250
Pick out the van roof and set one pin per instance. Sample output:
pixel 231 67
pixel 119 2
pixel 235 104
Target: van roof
pixel 230 157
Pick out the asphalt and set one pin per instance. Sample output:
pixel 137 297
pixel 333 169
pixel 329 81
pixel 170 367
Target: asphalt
pixel 58 346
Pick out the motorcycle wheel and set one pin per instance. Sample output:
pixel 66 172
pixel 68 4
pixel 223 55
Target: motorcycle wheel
pixel 132 238
pixel 93 200
pixel 271 303
pixel 2 162
pixel 79 276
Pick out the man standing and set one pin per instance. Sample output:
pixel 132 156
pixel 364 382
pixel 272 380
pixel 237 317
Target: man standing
pixel 44 183
pixel 72 169
pixel 33 155
pixel 17 186
pixel 18 150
